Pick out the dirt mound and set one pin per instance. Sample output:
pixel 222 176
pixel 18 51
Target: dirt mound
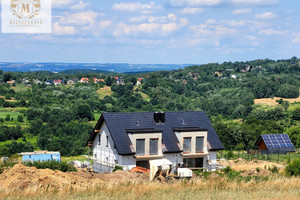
pixel 241 164
pixel 21 177
pixel 121 176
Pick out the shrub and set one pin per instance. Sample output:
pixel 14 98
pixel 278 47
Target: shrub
pixel 117 167
pixel 274 169
pixel 6 165
pixel 293 168
pixel 54 165
pixel 229 155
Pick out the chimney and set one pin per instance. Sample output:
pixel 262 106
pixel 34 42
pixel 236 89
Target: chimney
pixel 156 117
pixel 162 117
pixel 159 117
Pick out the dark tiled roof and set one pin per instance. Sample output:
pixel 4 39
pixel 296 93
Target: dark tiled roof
pixel 119 123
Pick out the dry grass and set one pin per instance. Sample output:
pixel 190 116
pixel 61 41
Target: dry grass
pixel 272 102
pixel 105 91
pixel 219 188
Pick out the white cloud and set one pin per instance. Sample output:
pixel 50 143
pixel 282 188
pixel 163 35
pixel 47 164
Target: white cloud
pixel 272 32
pixel 241 11
pixel 79 19
pixel 191 11
pixel 61 3
pixel 198 3
pixel 154 26
pixel 266 15
pixel 250 37
pixel 297 39
pixel 213 30
pixel 80 5
pixel 211 21
pixel 172 17
pixel 237 23
pixel 194 3
pixel 136 7
pixel 104 24
pixel 63 30
pixel 254 2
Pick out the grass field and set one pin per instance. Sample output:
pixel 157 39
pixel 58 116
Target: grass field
pixel 30 139
pixel 272 101
pixel 13 112
pixel 21 88
pixel 145 96
pixel 275 188
pixel 105 91
pixel 73 158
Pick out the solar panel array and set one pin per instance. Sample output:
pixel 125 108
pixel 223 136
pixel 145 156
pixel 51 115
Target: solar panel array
pixel 280 142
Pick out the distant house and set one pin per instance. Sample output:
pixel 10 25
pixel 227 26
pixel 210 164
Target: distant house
pixel 218 74
pixel 133 139
pixel 96 80
pixel 184 81
pixel 279 143
pixel 25 81
pixel 70 82
pixel 11 82
pixel 120 81
pixel 48 82
pixel 36 81
pixel 84 80
pixel 57 82
pixel 139 81
pixel 40 156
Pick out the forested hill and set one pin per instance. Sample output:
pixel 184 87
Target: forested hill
pixel 57 111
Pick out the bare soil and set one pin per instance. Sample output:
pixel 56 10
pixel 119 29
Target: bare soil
pixel 21 177
pixel 272 102
pixel 249 168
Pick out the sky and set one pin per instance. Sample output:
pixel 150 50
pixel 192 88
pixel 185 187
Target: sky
pixel 166 31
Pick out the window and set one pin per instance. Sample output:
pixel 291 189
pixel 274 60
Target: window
pixel 99 139
pixel 144 164
pixel 154 146
pixel 199 144
pixel 187 144
pixel 193 162
pixel 140 147
pixel 106 141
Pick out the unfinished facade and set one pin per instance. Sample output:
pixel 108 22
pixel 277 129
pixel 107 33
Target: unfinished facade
pixel 132 139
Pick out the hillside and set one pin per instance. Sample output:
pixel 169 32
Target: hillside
pixel 59 110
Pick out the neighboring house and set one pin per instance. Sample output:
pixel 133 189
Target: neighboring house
pixel 139 81
pixel 279 143
pixel 70 82
pixel 48 82
pixel 84 80
pixel 11 82
pixel 120 81
pixel 40 156
pixel 25 81
pixel 96 80
pixel 36 81
pixel 132 139
pixel 57 82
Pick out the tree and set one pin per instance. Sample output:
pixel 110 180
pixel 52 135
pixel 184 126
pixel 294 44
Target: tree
pixel 7 118
pixel 6 77
pixel 296 114
pixel 84 111
pixel 20 118
pixel 288 91
pixel 108 81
